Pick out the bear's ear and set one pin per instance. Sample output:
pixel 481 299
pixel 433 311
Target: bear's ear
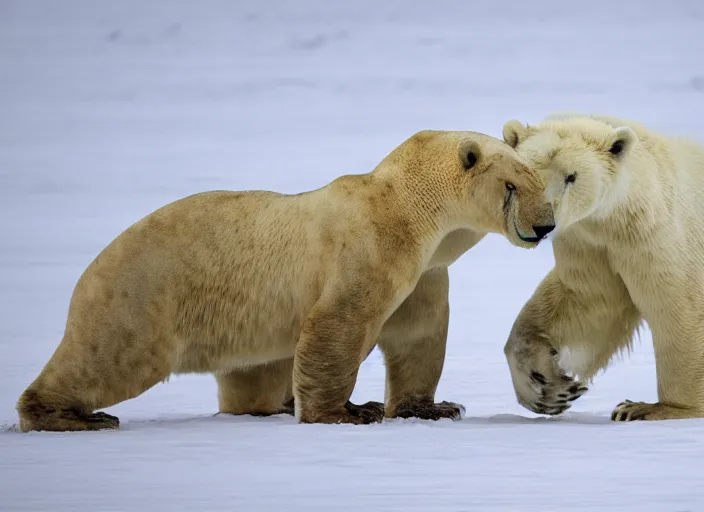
pixel 621 141
pixel 470 152
pixel 514 132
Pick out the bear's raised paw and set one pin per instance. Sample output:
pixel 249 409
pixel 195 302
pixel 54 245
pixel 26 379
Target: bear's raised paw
pixel 556 396
pixel 542 386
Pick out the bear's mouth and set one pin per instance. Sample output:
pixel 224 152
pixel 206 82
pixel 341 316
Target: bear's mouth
pixel 529 239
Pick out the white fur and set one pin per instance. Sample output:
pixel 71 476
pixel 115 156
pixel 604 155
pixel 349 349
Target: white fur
pixel 629 248
pixel 575 360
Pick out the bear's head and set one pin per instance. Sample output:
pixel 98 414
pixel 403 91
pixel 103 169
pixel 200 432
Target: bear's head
pixel 487 187
pixel 582 161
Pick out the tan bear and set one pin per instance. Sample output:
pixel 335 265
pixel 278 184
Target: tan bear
pixel 628 247
pixel 282 295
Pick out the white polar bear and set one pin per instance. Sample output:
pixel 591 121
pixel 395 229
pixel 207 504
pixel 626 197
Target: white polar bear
pixel 629 247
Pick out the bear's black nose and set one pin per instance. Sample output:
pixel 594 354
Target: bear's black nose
pixel 541 231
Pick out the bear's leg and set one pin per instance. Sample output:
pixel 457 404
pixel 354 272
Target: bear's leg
pixel 259 390
pixel 413 341
pixel 679 374
pixel 84 375
pixel 566 333
pixel 333 342
pixel 54 413
pixel 289 401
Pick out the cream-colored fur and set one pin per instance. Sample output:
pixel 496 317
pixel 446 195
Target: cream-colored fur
pixel 281 297
pixel 629 247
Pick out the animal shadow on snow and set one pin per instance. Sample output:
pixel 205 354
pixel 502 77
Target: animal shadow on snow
pixel 178 421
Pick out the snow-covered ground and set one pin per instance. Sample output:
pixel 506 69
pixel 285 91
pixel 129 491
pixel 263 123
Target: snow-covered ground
pixel 111 109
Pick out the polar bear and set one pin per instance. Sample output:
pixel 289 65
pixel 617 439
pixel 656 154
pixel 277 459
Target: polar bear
pixel 282 295
pixel 629 249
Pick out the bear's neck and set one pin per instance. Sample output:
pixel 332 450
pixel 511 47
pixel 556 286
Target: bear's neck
pixel 414 200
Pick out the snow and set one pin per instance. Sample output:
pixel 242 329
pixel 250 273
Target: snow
pixel 111 109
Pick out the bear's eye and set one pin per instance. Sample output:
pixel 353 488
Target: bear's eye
pixel 617 147
pixel 470 160
pixel 570 178
pixel 510 187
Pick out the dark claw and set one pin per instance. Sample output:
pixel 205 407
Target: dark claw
pixel 628 414
pixel 288 407
pixel 458 409
pixel 539 378
pixel 549 410
pixel 427 410
pixel 102 417
pixel 619 416
pixel 556 410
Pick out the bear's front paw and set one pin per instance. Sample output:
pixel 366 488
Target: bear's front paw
pixel 371 412
pixel 631 411
pixel 540 383
pixel 635 411
pixel 427 410
pixel 552 396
